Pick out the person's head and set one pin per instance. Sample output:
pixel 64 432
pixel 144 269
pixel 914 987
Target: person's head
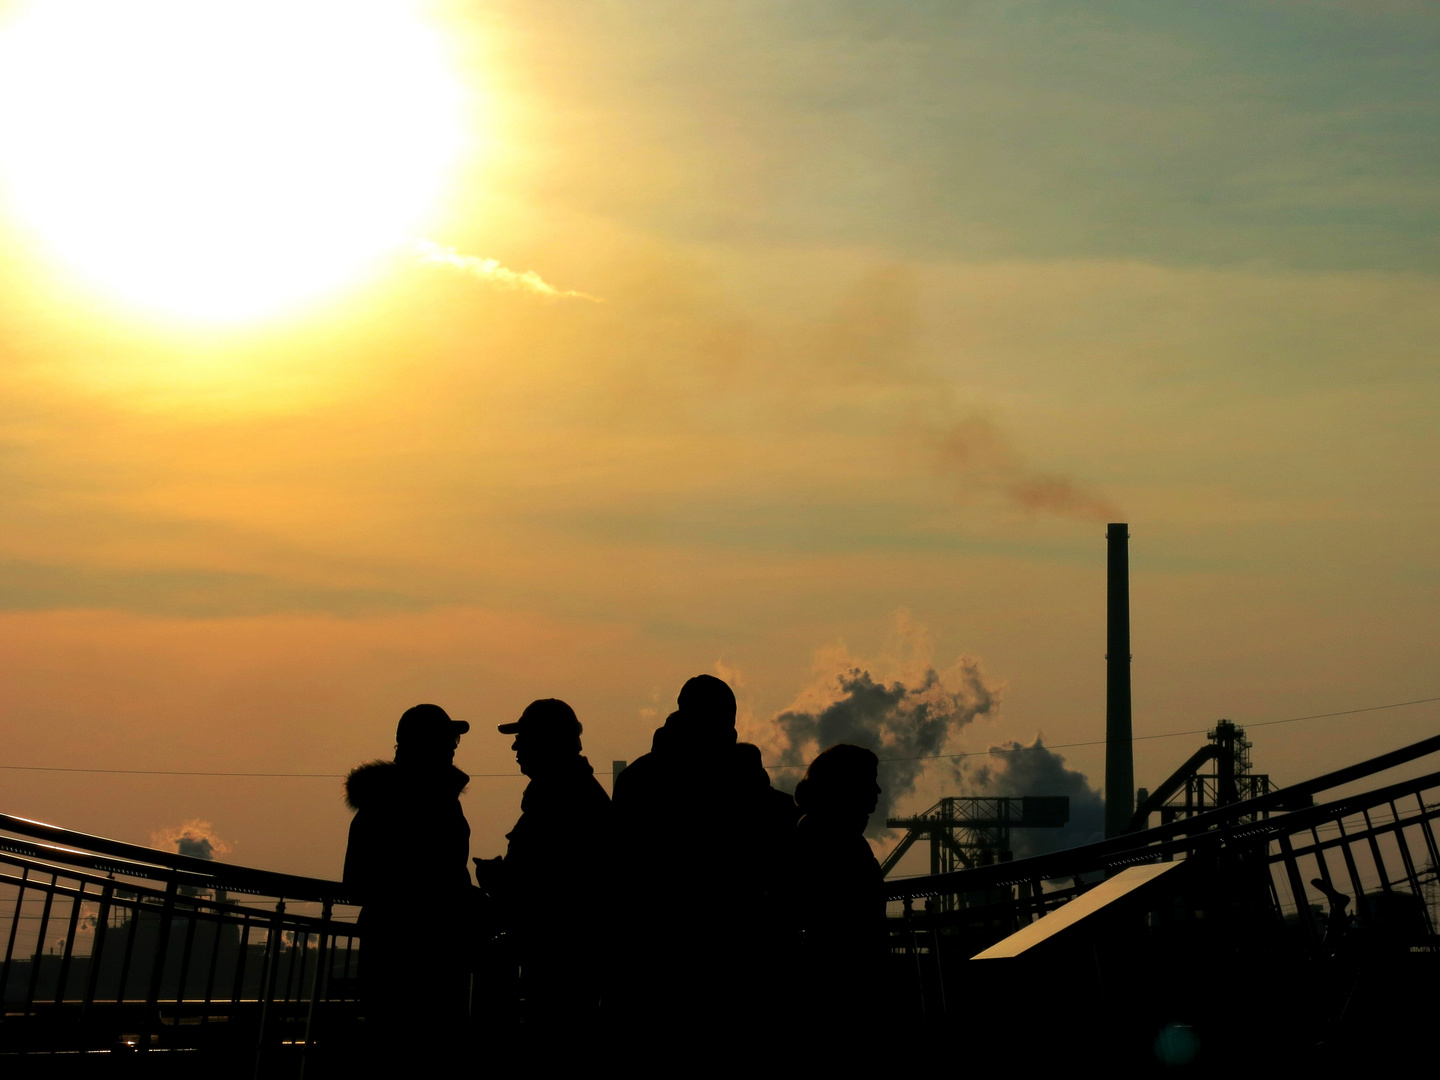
pixel 547 733
pixel 842 781
pixel 705 720
pixel 427 736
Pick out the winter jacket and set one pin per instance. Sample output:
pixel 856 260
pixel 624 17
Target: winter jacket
pixel 409 837
pixel 560 851
pixel 837 902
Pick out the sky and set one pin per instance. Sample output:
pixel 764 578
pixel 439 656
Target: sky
pixel 861 320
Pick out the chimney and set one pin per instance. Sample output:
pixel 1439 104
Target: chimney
pixel 1119 747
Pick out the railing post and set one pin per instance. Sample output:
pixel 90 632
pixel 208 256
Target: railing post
pixel 185 956
pixel 212 968
pixel 1379 859
pixel 97 947
pixel 930 906
pixel 1426 831
pixel 268 973
pixel 157 977
pixel 914 949
pixel 1297 887
pixel 318 983
pixel 1351 869
pixel 69 952
pixel 36 964
pixel 14 926
pixel 1412 878
pixel 130 928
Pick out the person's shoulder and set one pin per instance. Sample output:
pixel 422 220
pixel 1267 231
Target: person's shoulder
pixel 594 791
pixel 583 789
pixel 369 783
pixel 638 776
pixel 645 763
pixel 455 781
pixel 781 805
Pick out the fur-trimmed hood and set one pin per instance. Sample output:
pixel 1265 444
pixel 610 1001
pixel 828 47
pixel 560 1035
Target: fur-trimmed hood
pixel 378 782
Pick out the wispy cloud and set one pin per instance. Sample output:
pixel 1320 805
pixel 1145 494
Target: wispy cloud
pixel 490 270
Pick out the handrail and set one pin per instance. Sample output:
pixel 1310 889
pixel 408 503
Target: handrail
pixel 79 849
pixel 98 863
pixel 138 896
pixel 1089 859
pixel 1132 845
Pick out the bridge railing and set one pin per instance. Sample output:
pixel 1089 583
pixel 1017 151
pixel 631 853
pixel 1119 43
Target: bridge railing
pixel 109 945
pixel 1378 848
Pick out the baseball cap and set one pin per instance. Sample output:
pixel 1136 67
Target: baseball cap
pixel 547 718
pixel 425 722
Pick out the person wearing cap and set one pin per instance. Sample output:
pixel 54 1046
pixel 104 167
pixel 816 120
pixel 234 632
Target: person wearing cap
pixel 406 864
pixel 553 883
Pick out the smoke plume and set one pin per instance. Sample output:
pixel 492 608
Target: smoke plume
pixel 1015 769
pixel 490 271
pixel 903 724
pixel 195 838
pixel 980 452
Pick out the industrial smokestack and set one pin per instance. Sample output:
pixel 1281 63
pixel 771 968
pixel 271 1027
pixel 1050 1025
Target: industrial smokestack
pixel 1119 744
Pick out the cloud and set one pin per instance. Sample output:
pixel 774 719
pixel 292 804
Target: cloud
pixel 490 270
pixel 195 838
pixel 905 723
pixel 1014 769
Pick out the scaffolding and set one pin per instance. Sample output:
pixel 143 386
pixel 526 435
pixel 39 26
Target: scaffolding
pixel 1189 791
pixel 966 831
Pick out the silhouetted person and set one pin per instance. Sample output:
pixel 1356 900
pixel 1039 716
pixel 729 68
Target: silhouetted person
pixel 701 826
pixel 776 808
pixel 837 893
pixel 407 865
pixel 767 817
pixel 553 883
pixel 680 788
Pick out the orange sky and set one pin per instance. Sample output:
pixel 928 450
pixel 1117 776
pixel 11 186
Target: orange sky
pixel 889 330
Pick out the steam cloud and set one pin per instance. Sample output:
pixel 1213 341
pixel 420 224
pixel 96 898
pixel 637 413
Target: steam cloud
pixel 976 447
pixel 490 270
pixel 195 838
pixel 1015 769
pixel 902 724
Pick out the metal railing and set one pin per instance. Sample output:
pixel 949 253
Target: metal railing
pixel 1378 847
pixel 112 946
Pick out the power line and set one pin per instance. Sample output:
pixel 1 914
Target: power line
pixel 1139 738
pixel 189 772
pixel 795 765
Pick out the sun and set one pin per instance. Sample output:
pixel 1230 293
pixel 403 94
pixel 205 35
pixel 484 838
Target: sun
pixel 224 160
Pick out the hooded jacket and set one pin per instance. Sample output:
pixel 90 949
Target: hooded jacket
pixel 408 835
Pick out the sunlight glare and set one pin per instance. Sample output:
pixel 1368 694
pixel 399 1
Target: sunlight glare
pixel 219 160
